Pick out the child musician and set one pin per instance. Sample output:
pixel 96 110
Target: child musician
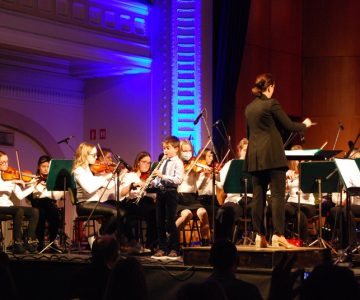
pixel 131 186
pixel 89 188
pixel 7 189
pixel 45 202
pixel 169 176
pixel 188 202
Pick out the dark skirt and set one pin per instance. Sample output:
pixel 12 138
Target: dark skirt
pixel 188 201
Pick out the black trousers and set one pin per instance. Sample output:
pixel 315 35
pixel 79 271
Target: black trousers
pixel 48 212
pixel 228 214
pixel 306 211
pixel 347 234
pixel 18 213
pixel 276 178
pixel 106 210
pixel 144 210
pixel 166 206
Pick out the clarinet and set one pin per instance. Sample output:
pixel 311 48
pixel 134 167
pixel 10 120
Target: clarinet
pixel 149 180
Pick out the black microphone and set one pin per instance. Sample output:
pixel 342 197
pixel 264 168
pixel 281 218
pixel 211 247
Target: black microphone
pixel 216 123
pixel 66 140
pixel 119 159
pixel 341 126
pixel 198 117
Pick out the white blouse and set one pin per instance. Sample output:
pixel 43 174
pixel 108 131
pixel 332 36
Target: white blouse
pixel 188 185
pixel 204 184
pixel 7 188
pixel 89 187
pixel 293 189
pixel 42 192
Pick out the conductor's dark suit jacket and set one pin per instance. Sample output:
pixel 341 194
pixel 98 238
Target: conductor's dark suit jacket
pixel 266 149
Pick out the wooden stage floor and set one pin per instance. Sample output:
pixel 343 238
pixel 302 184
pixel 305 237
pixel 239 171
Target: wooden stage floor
pixel 265 258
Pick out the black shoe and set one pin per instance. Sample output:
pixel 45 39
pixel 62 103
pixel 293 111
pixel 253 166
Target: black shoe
pixel 19 248
pixel 32 246
pixel 205 242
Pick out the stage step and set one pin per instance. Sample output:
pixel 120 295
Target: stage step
pixel 267 258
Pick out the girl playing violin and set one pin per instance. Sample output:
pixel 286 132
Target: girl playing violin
pixel 233 206
pixel 204 183
pixel 45 202
pixel 188 202
pixel 145 209
pixel 89 188
pixel 12 187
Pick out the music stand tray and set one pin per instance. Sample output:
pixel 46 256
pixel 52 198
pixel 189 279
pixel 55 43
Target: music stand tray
pixel 350 175
pixel 311 154
pixel 60 179
pixel 315 179
pixel 237 182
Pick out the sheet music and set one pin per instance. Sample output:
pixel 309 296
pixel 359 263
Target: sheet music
pixel 305 152
pixel 349 171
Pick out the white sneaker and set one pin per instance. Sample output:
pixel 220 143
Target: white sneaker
pixel 91 240
pixel 260 241
pixel 280 240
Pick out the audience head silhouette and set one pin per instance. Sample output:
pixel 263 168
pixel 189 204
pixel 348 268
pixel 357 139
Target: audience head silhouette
pixel 327 281
pixel 223 256
pixel 126 281
pixel 210 290
pixel 105 251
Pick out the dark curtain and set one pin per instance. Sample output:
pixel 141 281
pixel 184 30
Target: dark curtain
pixel 229 35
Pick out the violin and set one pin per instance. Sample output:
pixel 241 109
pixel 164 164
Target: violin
pixel 43 177
pixel 144 176
pixel 101 167
pixel 188 165
pixel 13 174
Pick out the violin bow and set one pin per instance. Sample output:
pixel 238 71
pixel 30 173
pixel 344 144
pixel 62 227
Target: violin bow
pixel 18 164
pixel 103 156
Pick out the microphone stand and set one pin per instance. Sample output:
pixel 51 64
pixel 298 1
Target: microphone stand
pixel 337 136
pixel 226 138
pixel 346 155
pixel 213 178
pixel 117 193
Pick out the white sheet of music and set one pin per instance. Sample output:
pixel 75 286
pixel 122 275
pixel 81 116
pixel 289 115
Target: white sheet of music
pixel 305 152
pixel 349 172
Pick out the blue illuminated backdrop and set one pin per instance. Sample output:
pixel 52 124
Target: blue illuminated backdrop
pixel 186 76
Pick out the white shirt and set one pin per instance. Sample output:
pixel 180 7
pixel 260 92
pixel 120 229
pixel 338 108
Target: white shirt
pixel 174 173
pixel 354 200
pixel 204 184
pixel 230 197
pixel 42 192
pixel 128 179
pixel 188 185
pixel 7 188
pixel 293 189
pixel 89 186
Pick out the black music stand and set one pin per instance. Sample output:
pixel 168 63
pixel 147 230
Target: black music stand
pixel 350 176
pixel 60 179
pixel 315 179
pixel 239 182
pixel 306 155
